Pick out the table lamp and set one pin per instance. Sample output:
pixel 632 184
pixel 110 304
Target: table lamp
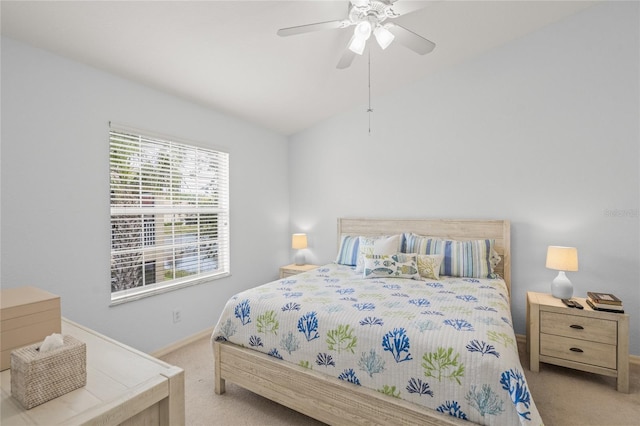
pixel 562 259
pixel 299 242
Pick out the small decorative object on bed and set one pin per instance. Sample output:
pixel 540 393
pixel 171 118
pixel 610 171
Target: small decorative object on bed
pixel 383 343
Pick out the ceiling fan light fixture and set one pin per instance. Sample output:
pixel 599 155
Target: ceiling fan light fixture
pixel 363 30
pixel 357 45
pixel 384 37
pixel 360 3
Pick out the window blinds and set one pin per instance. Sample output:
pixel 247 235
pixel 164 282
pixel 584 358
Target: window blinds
pixel 169 212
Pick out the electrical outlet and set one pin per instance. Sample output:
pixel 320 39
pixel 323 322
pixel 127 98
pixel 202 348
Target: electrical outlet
pixel 177 315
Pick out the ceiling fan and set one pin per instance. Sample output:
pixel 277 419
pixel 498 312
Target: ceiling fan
pixel 369 17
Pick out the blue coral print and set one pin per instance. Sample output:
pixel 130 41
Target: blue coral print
pixel 482 347
pixel 325 359
pixel 452 408
pixel 397 342
pixel 349 376
pixel 242 312
pixel 372 321
pixel 459 324
pixel 513 381
pixel 308 325
pixel 419 387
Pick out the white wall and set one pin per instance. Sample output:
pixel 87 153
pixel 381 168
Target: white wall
pixel 55 230
pixel 543 132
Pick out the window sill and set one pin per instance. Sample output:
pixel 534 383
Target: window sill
pixel 134 295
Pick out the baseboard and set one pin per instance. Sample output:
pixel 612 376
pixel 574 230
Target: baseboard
pixel 182 343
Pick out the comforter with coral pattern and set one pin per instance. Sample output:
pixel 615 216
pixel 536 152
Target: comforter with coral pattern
pixel 448 345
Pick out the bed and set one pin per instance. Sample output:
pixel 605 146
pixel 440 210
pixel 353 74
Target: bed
pixel 373 341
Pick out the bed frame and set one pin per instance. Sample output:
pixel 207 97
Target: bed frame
pixel 335 401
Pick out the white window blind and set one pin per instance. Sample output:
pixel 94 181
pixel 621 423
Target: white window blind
pixel 169 214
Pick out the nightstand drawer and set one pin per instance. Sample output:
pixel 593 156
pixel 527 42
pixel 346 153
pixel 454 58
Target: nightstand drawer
pixel 577 350
pixel 578 327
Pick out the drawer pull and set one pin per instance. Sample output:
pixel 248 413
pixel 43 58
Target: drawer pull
pixel 577 327
pixel 576 350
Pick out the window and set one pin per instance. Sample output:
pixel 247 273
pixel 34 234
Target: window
pixel 169 214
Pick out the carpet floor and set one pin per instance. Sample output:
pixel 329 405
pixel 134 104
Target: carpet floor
pixel 563 396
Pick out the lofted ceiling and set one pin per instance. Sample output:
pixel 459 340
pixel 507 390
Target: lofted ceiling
pixel 226 55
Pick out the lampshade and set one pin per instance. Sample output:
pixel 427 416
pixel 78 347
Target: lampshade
pixel 299 241
pixel 562 258
pixel 383 36
pixel 357 45
pixel 363 30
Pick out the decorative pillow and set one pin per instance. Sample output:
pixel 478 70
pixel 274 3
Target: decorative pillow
pixel 472 259
pixel 399 265
pixel 429 265
pixel 495 260
pixel 348 252
pixel 376 245
pixel 419 244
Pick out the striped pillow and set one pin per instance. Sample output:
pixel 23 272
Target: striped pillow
pixel 472 259
pixel 348 252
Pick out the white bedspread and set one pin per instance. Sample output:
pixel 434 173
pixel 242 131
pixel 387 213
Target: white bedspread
pixel 448 345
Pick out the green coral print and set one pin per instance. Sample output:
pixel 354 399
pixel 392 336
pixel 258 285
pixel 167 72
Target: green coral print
pixel 399 314
pixel 342 339
pixel 267 323
pixel 320 300
pixel 305 364
pixel 389 390
pixel 501 338
pixel 368 296
pixel 457 309
pixel 443 364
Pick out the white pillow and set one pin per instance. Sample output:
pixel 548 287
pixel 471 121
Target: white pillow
pixel 376 245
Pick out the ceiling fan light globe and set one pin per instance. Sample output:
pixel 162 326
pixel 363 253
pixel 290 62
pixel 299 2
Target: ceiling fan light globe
pixel 384 37
pixel 357 45
pixel 363 30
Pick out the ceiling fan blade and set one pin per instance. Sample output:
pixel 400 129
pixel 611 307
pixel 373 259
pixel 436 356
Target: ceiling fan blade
pixel 347 57
pixel 329 25
pixel 410 39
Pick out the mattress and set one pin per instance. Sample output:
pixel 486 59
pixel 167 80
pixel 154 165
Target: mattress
pixel 445 344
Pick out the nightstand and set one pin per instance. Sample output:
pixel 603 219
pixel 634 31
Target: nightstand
pixel 583 339
pixel 293 269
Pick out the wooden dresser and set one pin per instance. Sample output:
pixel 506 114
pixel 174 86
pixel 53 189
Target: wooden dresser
pixel 583 339
pixel 124 386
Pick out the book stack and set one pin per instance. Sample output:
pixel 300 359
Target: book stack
pixel 604 302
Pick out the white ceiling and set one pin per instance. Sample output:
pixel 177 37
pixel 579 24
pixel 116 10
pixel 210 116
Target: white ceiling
pixel 226 54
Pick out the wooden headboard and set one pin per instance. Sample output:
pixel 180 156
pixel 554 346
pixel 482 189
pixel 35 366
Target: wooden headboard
pixel 454 229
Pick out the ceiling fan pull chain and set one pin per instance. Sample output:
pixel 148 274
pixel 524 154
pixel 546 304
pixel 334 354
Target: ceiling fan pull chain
pixel 369 110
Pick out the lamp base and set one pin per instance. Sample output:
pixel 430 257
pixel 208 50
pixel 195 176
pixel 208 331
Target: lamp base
pixel 299 259
pixel 561 287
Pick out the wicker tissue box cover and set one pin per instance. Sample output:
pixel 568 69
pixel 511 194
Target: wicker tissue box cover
pixel 39 377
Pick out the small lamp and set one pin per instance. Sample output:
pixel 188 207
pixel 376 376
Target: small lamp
pixel 562 259
pixel 299 242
